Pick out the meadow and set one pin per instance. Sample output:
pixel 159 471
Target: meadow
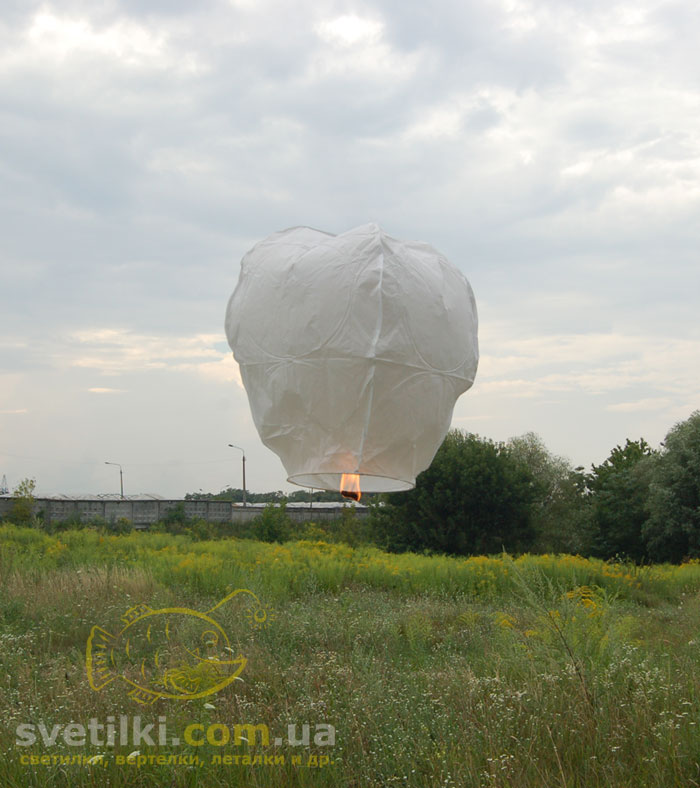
pixel 432 671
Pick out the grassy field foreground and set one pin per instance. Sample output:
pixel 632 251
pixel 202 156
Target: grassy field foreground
pixel 540 671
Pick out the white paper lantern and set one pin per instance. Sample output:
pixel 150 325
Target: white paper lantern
pixel 353 350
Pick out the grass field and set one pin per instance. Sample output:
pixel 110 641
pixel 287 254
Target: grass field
pixel 432 671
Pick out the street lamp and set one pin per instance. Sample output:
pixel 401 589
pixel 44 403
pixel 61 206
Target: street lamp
pixel 233 446
pixel 121 476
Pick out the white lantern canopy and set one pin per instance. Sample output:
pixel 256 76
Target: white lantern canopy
pixel 353 350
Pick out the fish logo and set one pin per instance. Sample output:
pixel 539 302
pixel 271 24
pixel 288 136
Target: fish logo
pixel 172 652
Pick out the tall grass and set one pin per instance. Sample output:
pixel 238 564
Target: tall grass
pixel 490 671
pixel 281 571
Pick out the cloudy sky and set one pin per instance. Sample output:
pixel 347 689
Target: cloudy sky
pixel 550 150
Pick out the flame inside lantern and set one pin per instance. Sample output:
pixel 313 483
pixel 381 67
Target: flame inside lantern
pixel 350 486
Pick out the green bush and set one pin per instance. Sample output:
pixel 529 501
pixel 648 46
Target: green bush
pixel 274 524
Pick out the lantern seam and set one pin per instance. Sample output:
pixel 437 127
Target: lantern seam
pixel 375 340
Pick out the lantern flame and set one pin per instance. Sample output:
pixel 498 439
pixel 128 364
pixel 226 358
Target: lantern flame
pixel 350 486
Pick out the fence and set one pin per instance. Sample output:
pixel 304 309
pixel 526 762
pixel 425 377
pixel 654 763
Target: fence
pixel 142 512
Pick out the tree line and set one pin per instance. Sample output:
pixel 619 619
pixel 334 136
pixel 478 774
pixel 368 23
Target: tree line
pixel 480 496
pixel 235 494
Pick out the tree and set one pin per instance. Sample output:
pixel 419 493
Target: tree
pixel 672 531
pixel 22 512
pixel 474 498
pixel 273 524
pixel 559 512
pixel 619 489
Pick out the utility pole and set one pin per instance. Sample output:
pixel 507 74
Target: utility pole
pixel 121 476
pixel 232 446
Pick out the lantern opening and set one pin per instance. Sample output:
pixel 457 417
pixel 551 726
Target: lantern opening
pixel 350 486
pixel 334 481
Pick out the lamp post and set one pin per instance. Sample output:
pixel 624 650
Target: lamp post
pixel 233 446
pixel 121 476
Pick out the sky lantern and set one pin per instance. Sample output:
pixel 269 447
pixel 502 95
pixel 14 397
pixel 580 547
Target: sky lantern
pixel 353 350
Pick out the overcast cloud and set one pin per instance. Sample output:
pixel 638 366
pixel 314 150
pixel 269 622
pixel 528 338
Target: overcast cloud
pixel 550 150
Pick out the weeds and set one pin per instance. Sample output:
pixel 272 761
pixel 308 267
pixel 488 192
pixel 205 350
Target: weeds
pixel 513 673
